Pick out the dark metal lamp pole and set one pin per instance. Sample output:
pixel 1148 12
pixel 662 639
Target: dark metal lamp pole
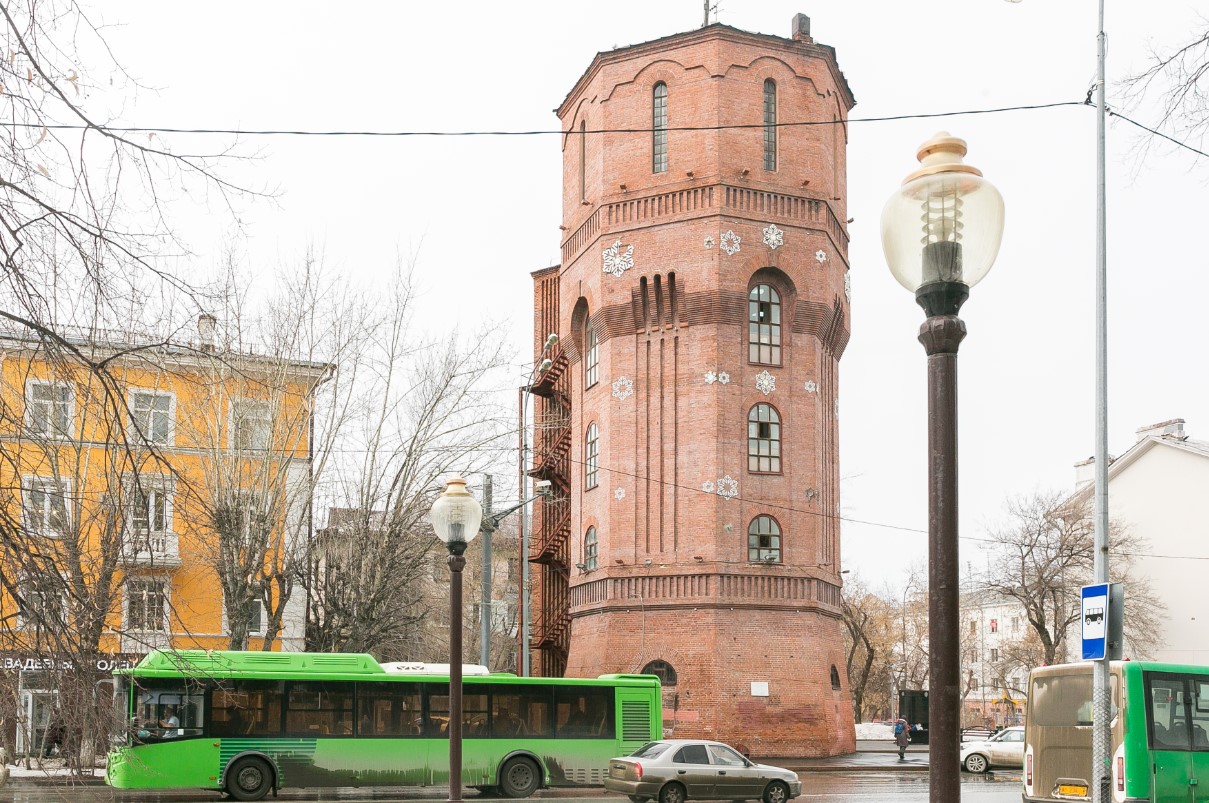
pixel 941 233
pixel 455 518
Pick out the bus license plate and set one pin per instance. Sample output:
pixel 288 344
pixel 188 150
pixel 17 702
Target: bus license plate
pixel 1073 790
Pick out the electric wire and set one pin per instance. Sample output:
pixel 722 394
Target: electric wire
pixel 299 132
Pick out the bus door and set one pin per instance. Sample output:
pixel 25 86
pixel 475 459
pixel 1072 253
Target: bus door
pixel 1177 730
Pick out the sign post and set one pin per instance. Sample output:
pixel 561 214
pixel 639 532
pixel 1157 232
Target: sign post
pixel 1094 604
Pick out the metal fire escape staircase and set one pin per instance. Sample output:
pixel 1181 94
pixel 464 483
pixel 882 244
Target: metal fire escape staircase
pixel 550 633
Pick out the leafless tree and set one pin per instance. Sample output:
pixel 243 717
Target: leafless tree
pixel 869 642
pixel 1041 557
pixel 431 408
pixel 1179 76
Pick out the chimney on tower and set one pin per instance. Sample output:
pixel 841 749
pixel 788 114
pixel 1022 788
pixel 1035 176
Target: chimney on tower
pixel 801 28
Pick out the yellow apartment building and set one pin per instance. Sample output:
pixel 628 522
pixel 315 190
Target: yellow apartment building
pixel 152 494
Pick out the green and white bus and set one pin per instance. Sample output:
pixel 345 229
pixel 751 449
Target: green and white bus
pixel 1160 733
pixel 251 722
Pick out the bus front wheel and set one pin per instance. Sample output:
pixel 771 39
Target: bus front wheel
pixel 249 779
pixel 519 777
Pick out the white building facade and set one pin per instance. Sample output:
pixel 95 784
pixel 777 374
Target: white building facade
pixel 1159 489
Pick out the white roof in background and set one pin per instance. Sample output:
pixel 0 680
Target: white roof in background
pixel 1137 450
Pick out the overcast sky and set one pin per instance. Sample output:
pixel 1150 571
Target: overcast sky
pixel 482 212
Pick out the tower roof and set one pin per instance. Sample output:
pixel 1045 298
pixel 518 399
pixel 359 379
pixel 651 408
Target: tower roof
pixel 714 31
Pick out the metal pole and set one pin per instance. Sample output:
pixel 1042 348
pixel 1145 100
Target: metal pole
pixel 941 335
pixel 457 562
pixel 485 613
pixel 1101 733
pixel 523 597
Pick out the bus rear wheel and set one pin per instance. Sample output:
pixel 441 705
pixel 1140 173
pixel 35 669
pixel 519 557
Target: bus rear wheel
pixel 249 778
pixel 519 777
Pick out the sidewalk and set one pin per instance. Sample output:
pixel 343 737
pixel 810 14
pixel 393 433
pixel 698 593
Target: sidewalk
pixel 875 756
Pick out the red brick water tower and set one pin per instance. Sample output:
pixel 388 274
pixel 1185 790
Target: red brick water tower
pixel 689 420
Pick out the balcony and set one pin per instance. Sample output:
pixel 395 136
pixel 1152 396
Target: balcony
pixel 153 550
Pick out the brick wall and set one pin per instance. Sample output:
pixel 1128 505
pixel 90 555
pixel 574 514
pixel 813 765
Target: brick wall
pixel 674 581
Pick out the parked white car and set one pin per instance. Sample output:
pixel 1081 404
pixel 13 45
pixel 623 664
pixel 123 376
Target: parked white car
pixel 1004 749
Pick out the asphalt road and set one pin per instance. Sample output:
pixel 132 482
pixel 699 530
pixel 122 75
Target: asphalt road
pixel 818 787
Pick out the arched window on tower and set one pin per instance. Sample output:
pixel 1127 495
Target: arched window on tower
pixel 591 457
pixel 764 325
pixel 835 677
pixel 583 160
pixel 764 439
pixel 665 671
pixel 591 553
pixel 659 128
pixel 764 540
pixel 591 355
pixel 770 124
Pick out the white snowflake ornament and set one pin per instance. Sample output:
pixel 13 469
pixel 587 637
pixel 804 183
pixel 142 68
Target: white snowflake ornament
pixel 623 389
pixel 709 242
pixel 765 382
pixel 708 486
pixel 728 488
pixel 811 386
pixel 820 255
pixel 615 261
pixel 710 377
pixel 848 287
pixel 619 494
pixel 774 238
pixel 730 243
pixel 723 378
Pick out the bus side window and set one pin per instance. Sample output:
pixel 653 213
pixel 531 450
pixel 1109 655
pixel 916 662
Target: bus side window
pixel 1168 726
pixel 1200 715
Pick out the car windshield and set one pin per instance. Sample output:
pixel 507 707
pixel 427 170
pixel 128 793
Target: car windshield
pixel 650 750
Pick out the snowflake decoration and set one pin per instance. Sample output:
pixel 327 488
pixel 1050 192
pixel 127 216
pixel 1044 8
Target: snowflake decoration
pixel 619 494
pixel 623 388
pixel 730 243
pixel 811 493
pixel 709 241
pixel 774 238
pixel 728 488
pixel 812 386
pixel 765 382
pixel 848 287
pixel 723 378
pixel 710 377
pixel 708 486
pixel 820 255
pixel 615 262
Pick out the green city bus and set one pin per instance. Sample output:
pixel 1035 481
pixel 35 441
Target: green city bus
pixel 1160 733
pixel 252 722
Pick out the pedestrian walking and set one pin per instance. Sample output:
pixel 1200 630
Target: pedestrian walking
pixel 902 738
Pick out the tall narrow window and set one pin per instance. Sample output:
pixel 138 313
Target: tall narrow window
pixel 583 161
pixel 48 409
pixel 591 550
pixel 770 124
pixel 45 506
pixel 659 129
pixel 591 458
pixel 151 415
pixel 251 424
pixel 591 355
pixel 764 439
pixel 764 540
pixel 764 325
pixel 145 604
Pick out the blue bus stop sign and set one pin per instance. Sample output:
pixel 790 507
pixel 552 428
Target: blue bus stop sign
pixel 1094 600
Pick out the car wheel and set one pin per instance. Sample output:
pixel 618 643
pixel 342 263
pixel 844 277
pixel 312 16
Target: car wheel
pixel 672 793
pixel 249 779
pixel 976 762
pixel 776 792
pixel 519 778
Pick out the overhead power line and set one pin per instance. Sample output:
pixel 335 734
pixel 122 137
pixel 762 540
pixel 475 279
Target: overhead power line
pixel 299 132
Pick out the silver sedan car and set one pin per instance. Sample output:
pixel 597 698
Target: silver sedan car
pixel 676 770
pixel 1004 749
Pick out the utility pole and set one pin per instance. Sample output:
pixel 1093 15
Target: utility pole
pixel 485 613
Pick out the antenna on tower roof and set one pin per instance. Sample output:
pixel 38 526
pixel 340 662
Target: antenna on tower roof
pixel 709 6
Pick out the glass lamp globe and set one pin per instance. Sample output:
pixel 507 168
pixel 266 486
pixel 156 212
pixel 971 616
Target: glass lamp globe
pixel 456 515
pixel 945 223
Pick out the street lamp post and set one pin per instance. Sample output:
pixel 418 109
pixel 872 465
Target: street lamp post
pixel 940 233
pixel 455 518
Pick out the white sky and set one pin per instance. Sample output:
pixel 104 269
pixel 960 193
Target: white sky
pixel 483 212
